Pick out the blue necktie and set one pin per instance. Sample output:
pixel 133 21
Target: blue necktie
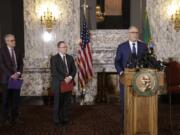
pixel 134 48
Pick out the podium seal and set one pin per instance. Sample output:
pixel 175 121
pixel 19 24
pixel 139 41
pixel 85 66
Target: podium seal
pixel 145 82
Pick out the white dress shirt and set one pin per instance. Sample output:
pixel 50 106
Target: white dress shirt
pixel 62 55
pixel 131 46
pixel 13 54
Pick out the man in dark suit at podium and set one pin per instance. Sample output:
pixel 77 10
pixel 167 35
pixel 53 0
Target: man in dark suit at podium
pixel 128 55
pixel 11 66
pixel 63 69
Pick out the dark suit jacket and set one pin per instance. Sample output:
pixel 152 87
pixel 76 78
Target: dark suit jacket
pixel 6 64
pixel 58 70
pixel 123 53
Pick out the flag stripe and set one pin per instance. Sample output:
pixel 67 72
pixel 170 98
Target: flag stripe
pixel 85 66
pixel 81 70
pixel 89 63
pixel 83 63
pixel 81 80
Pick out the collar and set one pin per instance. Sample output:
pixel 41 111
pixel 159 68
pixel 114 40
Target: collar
pixel 62 55
pixel 9 48
pixel 131 46
pixel 131 42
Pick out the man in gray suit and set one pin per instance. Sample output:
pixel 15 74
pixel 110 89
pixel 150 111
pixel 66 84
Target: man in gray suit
pixel 11 66
pixel 63 69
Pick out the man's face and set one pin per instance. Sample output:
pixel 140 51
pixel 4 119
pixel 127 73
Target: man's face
pixel 133 34
pixel 63 48
pixel 10 41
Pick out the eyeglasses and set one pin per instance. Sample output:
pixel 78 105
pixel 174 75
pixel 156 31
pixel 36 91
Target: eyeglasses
pixel 134 32
pixel 63 47
pixel 12 40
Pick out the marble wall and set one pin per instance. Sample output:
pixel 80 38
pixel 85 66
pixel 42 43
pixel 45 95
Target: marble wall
pixel 166 38
pixel 37 51
pixel 104 43
pixel 66 28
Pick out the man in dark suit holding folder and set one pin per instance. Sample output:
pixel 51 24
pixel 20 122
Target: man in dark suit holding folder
pixel 11 66
pixel 63 69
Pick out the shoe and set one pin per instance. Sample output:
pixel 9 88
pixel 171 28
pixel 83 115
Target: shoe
pixel 17 121
pixel 68 123
pixel 64 121
pixel 5 123
pixel 1 124
pixel 58 124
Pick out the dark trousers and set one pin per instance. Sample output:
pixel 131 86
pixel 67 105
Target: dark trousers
pixel 122 94
pixel 10 103
pixel 62 107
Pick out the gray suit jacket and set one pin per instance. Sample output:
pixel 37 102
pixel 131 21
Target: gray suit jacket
pixel 6 65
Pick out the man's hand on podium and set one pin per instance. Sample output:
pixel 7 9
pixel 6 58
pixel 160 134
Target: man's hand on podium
pixel 121 73
pixel 121 77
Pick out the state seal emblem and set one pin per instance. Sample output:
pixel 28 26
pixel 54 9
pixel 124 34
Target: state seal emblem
pixel 145 82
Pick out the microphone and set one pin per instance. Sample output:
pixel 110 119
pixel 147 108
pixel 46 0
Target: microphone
pixel 134 60
pixel 129 61
pixel 151 48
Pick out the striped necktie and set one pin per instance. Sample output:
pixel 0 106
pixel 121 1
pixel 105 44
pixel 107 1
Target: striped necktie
pixel 65 64
pixel 13 59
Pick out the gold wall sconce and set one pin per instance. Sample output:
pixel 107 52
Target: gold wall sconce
pixel 99 14
pixel 48 20
pixel 176 19
pixel 48 14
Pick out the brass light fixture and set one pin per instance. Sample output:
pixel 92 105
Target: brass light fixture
pixel 176 20
pixel 99 14
pixel 48 20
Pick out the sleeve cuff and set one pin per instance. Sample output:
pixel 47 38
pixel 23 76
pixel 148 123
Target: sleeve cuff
pixel 70 77
pixel 121 73
pixel 18 73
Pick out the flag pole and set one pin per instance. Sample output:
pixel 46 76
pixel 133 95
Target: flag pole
pixel 84 6
pixel 82 96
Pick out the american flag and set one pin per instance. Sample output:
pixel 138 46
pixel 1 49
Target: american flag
pixel 85 66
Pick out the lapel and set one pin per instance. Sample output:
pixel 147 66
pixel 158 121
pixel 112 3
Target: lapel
pixel 8 54
pixel 60 60
pixel 61 63
pixel 68 62
pixel 16 53
pixel 128 48
pixel 138 48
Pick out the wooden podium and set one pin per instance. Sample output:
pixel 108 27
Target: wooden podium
pixel 140 112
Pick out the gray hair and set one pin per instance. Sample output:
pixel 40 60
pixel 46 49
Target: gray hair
pixel 8 35
pixel 132 27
